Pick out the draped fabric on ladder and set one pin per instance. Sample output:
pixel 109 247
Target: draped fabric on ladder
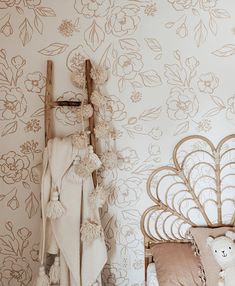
pixel 81 262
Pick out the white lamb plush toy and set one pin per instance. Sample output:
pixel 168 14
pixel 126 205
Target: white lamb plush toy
pixel 223 248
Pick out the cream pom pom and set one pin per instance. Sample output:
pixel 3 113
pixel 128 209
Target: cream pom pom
pixel 98 99
pixel 78 79
pixel 84 112
pixel 99 74
pixel 102 130
pixel 109 160
pixel 80 139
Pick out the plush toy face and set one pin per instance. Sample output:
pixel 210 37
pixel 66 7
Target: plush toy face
pixel 223 249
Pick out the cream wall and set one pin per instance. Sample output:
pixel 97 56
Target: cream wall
pixel 171 73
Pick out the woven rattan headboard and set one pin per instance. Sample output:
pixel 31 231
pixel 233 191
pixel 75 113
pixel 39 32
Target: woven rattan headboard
pixel 198 189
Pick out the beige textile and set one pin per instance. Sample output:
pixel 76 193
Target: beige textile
pixel 78 266
pixel 176 264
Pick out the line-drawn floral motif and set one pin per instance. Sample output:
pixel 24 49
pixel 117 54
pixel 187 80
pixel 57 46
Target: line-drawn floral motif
pixel 11 199
pixel 54 49
pixel 127 236
pixel 12 103
pixel 155 46
pixel 123 20
pixel 138 264
pixel 35 174
pixel 138 125
pixel 126 193
pixel 230 112
pixel 30 147
pixel 114 275
pixel 75 59
pixel 150 9
pixel 145 167
pixel 10 71
pixel 32 125
pixel 34 252
pixel 128 65
pixel 182 104
pixel 13 167
pixel 204 125
pixel 31 205
pixel 35 82
pixel 181 4
pixel 225 51
pixel 26 10
pixel 199 10
pixel 15 270
pixel 95 8
pixel 127 158
pixel 115 110
pixel 68 27
pixel 136 96
pixel 208 82
pixel 94 36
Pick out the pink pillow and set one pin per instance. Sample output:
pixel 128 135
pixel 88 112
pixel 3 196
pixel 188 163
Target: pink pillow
pixel 177 265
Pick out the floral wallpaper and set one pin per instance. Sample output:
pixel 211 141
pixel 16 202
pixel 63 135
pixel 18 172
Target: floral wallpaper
pixel 171 74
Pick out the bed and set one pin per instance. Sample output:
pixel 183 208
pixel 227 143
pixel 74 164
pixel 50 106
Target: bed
pixel 196 189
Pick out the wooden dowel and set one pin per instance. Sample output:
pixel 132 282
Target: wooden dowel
pixel 48 99
pixel 89 86
pixel 65 103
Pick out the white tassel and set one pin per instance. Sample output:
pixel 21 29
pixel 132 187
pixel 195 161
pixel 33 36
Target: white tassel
pixel 43 279
pixel 54 272
pixel 54 208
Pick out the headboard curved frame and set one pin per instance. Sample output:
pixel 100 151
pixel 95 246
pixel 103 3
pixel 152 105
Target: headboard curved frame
pixel 197 190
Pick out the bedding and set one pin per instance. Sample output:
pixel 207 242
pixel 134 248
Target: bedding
pixel 177 265
pixel 152 275
pixel 200 235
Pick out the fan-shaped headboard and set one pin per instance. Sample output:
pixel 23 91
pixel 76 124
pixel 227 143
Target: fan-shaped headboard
pixel 198 189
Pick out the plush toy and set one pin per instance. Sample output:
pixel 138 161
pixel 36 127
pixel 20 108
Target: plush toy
pixel 223 249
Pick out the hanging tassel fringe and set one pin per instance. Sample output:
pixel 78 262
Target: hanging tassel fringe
pixel 90 231
pixel 43 279
pixel 54 208
pixel 54 272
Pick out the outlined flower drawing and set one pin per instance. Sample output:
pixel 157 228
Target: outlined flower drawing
pixel 13 167
pixel 35 82
pixel 123 20
pixel 208 83
pixel 95 8
pixel 15 269
pixel 182 104
pixel 113 274
pixel 199 18
pixel 30 15
pixel 12 103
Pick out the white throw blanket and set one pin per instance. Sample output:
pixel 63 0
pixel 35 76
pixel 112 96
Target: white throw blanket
pixel 80 263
